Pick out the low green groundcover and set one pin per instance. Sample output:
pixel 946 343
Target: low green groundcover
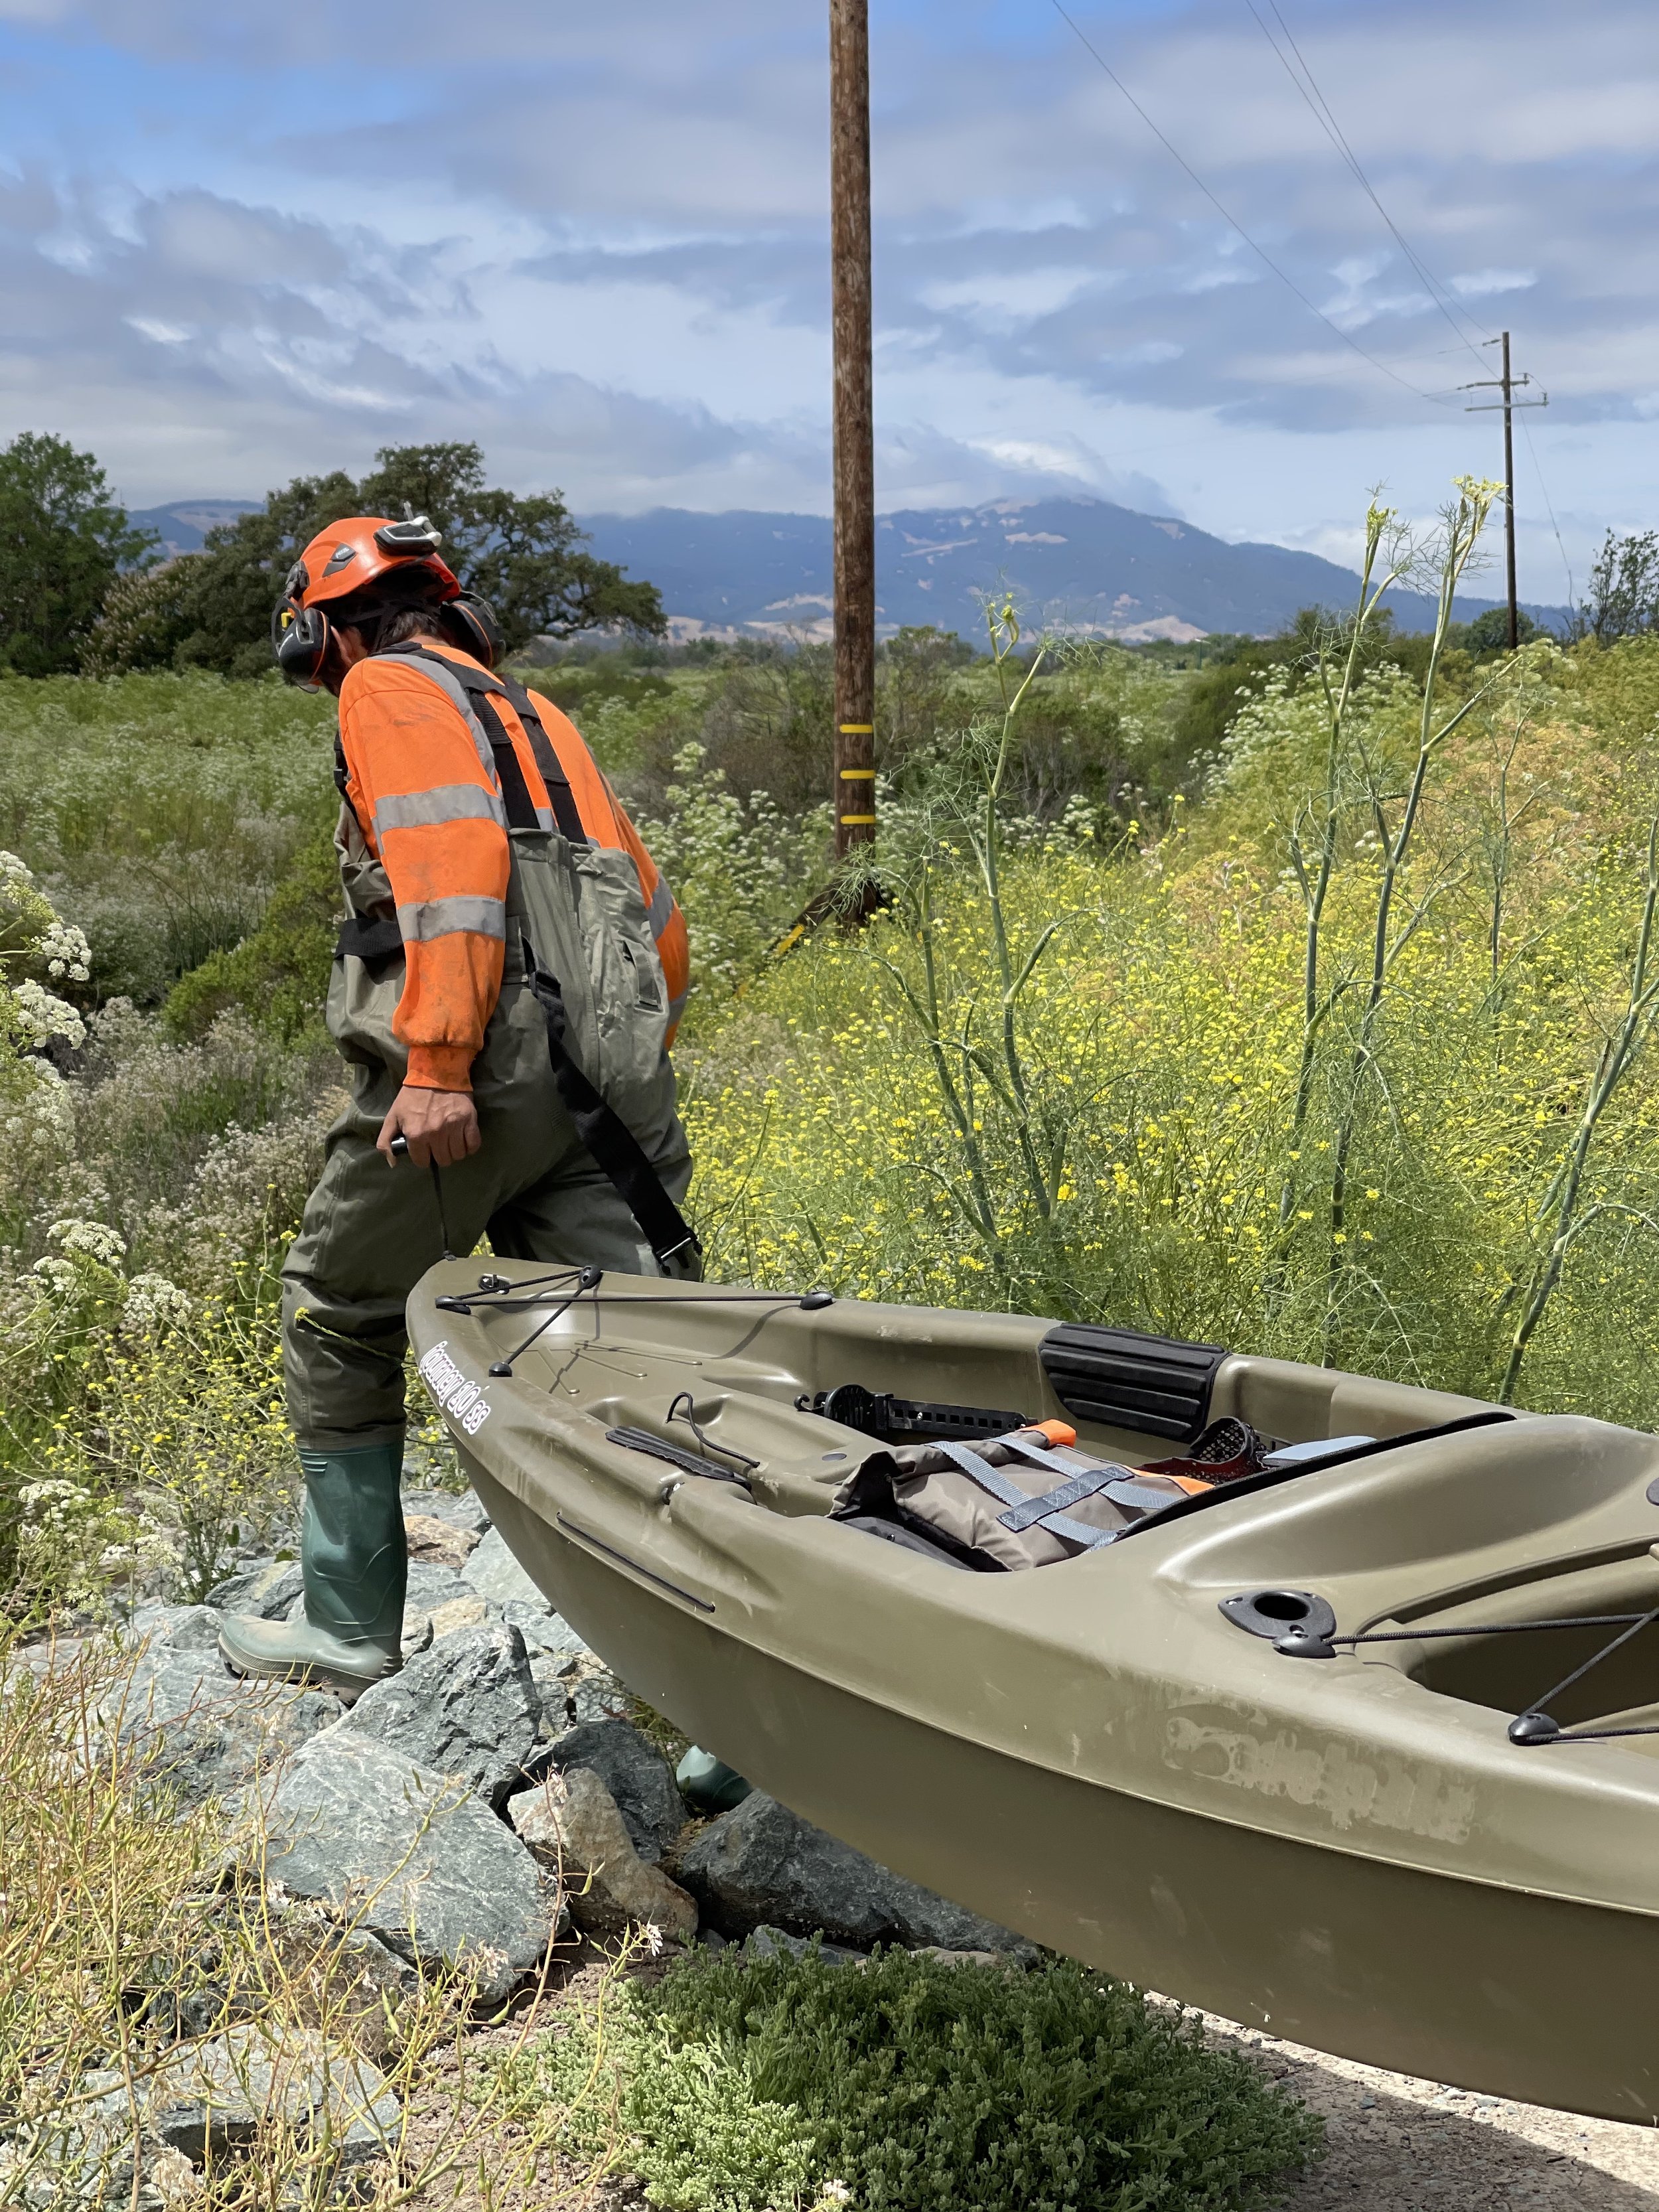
pixel 914 2085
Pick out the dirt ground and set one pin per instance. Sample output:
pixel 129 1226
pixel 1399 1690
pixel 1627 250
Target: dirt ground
pixel 1396 2144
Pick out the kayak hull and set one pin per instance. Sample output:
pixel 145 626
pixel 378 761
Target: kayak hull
pixel 1464 1982
pixel 1349 1853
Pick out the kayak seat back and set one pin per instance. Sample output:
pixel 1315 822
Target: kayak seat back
pixel 1123 1378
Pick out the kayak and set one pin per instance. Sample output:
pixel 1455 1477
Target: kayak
pixel 1345 1725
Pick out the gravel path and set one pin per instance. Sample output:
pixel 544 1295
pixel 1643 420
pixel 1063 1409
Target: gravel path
pixel 1397 2144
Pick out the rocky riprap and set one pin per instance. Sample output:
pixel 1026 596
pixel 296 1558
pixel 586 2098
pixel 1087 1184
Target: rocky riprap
pixel 463 1816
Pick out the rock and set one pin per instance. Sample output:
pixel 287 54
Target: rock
pixel 174 1627
pixel 467 1707
pixel 202 1731
pixel 212 2097
pixel 460 1612
pixel 762 1864
pixel 422 1863
pixel 595 1695
pixel 545 1635
pixel 637 1776
pixel 573 1825
pixel 264 1590
pixel 436 1542
pixel 341 1977
pixel 773 1943
pixel 462 1510
pixel 494 1573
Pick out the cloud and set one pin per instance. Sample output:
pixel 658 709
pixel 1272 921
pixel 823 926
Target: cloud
pixel 597 241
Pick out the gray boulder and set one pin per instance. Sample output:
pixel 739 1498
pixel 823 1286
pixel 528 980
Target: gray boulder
pixel 638 1777
pixel 265 1589
pixel 572 1825
pixel 217 2097
pixel 419 1860
pixel 463 1511
pixel 466 1707
pixel 546 1635
pixel 174 1628
pixel 773 1943
pixel 495 1574
pixel 763 1865
pixel 198 1728
pixel 595 1695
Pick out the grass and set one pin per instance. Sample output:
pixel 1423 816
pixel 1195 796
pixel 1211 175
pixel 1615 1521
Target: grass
pixel 162 810
pixel 130 1921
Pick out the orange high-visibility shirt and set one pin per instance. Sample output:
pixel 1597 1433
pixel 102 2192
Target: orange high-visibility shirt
pixel 430 811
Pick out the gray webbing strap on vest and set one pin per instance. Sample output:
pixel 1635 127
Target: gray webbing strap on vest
pixel 1026 1512
pixel 1119 1484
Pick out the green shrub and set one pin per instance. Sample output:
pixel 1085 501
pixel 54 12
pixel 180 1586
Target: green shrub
pixel 916 2085
pixel 277 976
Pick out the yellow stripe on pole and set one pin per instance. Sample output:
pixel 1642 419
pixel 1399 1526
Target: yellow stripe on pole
pixel 858 775
pixel 857 729
pixel 851 821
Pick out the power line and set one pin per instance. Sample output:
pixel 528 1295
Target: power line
pixel 1307 85
pixel 1526 432
pixel 1326 117
pixel 1227 215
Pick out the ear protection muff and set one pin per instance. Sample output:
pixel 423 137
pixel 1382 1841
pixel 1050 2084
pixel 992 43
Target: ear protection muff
pixel 472 625
pixel 299 639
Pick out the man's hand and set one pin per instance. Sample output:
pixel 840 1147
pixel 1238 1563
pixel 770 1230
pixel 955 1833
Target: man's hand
pixel 441 1126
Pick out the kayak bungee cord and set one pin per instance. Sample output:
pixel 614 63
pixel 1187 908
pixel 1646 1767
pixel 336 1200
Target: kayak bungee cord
pixel 586 1289
pixel 494 1287
pixel 1535 1725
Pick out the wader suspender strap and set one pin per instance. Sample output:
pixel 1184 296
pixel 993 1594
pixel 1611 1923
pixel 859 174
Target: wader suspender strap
pixel 479 686
pixel 607 1137
pixel 1025 1512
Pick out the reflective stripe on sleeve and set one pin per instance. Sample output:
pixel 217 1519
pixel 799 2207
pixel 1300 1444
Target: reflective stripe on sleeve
pixel 661 911
pixel 425 919
pixel 431 809
pixel 677 1006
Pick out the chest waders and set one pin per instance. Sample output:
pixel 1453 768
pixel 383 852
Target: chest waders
pixel 580 942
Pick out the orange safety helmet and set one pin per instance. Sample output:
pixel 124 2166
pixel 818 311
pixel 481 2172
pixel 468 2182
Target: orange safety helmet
pixel 381 568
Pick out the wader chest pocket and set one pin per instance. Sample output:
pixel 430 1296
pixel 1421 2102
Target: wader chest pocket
pixel 646 995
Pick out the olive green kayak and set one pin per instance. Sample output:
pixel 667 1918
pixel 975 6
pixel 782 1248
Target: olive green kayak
pixel 1359 1745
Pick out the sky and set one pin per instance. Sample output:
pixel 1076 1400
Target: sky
pixel 240 243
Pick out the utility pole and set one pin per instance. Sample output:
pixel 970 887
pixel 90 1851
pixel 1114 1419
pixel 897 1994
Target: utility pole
pixel 1508 386
pixel 854 425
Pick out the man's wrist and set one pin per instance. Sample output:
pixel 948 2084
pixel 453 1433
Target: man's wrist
pixel 440 1067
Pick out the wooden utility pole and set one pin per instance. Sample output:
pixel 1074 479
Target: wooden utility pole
pixel 1508 386
pixel 854 425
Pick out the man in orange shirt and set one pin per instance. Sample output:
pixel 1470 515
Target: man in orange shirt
pixel 483 856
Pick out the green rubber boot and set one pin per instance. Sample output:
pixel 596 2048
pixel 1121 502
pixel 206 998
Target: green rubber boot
pixel 355 1564
pixel 708 1784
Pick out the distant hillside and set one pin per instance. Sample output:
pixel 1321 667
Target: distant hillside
pixel 1082 562
pixel 183 526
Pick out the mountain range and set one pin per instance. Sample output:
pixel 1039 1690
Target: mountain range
pixel 1080 564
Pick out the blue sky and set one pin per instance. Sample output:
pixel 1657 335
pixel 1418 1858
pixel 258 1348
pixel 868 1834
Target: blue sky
pixel 238 243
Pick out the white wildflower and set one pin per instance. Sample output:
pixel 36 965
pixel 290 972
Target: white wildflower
pixel 40 1015
pixel 65 951
pixel 153 1304
pixel 92 1240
